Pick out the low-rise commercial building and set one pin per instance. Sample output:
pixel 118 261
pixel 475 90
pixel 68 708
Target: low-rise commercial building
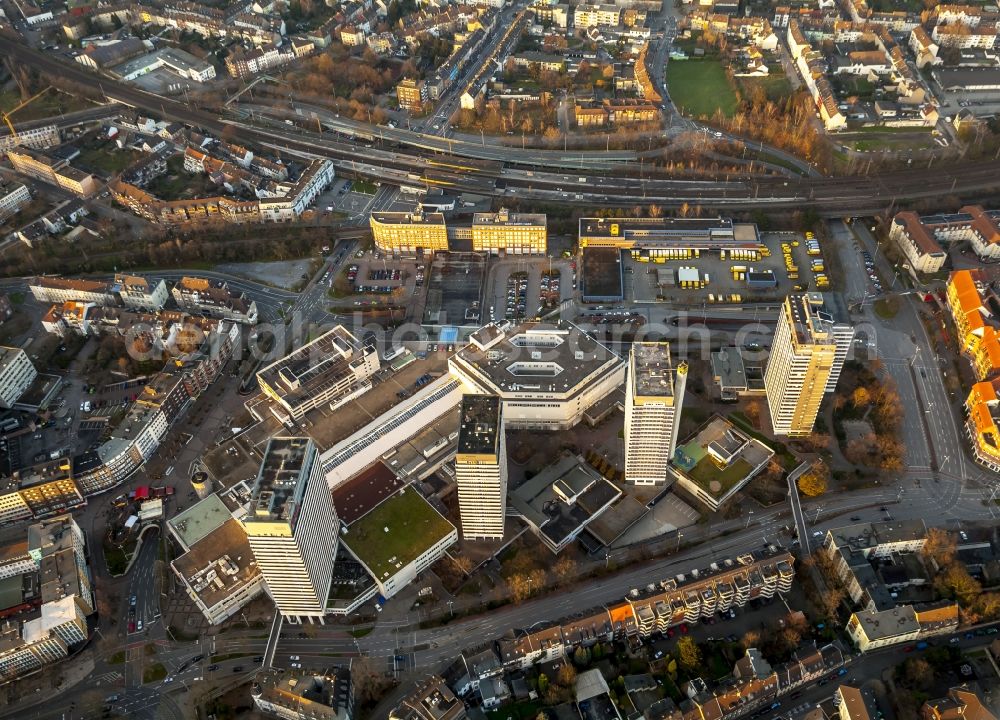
pixel 331 369
pixel 547 376
pixel 502 232
pixel 57 171
pixel 672 237
pixel 400 232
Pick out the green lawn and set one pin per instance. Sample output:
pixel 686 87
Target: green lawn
pixel 775 87
pixel 364 187
pixel 706 471
pixel 700 87
pixel 50 104
pixel 107 160
pixel 396 532
pixel 154 672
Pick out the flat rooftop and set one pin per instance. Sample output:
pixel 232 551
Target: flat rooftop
pixel 703 233
pixel 508 219
pixel 720 456
pixel 653 373
pixel 538 357
pixel 814 314
pixel 602 274
pixel 281 480
pixel 479 428
pixel 399 530
pixel 199 520
pixel 409 218
pixel 312 367
pixel 361 494
pixel 219 564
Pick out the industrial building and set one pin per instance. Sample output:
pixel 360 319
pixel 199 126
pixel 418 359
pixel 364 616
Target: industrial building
pixel 676 238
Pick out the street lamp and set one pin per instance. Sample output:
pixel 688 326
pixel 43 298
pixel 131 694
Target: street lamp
pixel 749 517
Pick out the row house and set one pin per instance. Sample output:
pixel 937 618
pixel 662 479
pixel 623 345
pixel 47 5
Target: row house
pixel 958 35
pixel 975 324
pixel 982 425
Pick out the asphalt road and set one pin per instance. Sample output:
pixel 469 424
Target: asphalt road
pixel 144 586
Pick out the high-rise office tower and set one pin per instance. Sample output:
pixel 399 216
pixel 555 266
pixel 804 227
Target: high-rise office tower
pixel 810 345
pixel 292 527
pixel 481 467
pixel 654 397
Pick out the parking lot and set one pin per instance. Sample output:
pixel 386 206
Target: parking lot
pixel 709 279
pixel 525 288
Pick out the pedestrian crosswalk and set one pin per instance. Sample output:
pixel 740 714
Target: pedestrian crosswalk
pixel 108 678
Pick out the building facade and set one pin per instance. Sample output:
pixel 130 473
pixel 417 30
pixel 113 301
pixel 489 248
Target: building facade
pixel 16 375
pixel 654 398
pixel 810 345
pixel 292 527
pixel 481 468
pixel 400 232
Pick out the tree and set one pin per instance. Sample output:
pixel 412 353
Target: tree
pixel 956 582
pixel 753 411
pixel 567 676
pixel 581 656
pixel 918 673
pixel 940 547
pixel 813 482
pixel 861 397
pixel 543 683
pixel 831 599
pixel 672 669
pixel 751 638
pixel 689 654
pixel 565 568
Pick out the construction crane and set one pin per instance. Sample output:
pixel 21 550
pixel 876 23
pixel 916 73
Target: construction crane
pixel 6 115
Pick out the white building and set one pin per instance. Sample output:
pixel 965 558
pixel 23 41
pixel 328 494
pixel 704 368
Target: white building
pixel 654 398
pixel 13 198
pixel 60 290
pixel 481 467
pixel 16 375
pixel 38 138
pixel 292 527
pixel 296 197
pixel 547 376
pixel 810 345
pixel 139 293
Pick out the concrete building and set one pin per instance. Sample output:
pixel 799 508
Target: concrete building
pixel 12 199
pixel 411 94
pixel 654 398
pixel 481 468
pixel 401 232
pixel 874 629
pixel 214 298
pixel 55 171
pixel 672 237
pixel 293 528
pixel 510 233
pixel 547 376
pixel 810 345
pixel 139 293
pixel 431 699
pixel 978 332
pixel 982 425
pixel 59 290
pixel 331 369
pixel 917 243
pixel 298 696
pixel 16 375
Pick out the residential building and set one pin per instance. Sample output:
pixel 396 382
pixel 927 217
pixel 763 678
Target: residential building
pixel 16 375
pixel 13 197
pixel 299 696
pixel 481 468
pixel 401 232
pixel 855 703
pixel 978 332
pixel 971 224
pixel 48 488
pixel 547 376
pixel 587 16
pixel 964 702
pixel 38 138
pixel 511 233
pixel 411 94
pixel 214 298
pixel 330 370
pixel 431 699
pixel 811 343
pixel 139 293
pixel 917 243
pixel 294 198
pixel 654 399
pixel 717 462
pixel 292 527
pixel 56 171
pixel 873 629
pixel 59 290
pixel 982 425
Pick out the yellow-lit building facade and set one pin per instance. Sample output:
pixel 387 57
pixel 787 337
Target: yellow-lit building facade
pixel 403 232
pixel 979 341
pixel 510 233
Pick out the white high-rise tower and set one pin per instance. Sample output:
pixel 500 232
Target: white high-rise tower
pixel 481 468
pixel 654 397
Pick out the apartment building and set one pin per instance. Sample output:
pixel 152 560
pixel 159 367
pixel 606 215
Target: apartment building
pixel 431 699
pixel 292 527
pixel 874 629
pixel 511 233
pixel 481 467
pixel 330 370
pixel 588 16
pixel 917 243
pixel 811 343
pixel 547 376
pixel 296 197
pixel 13 197
pixel 36 164
pixel 402 232
pixel 16 375
pixel 982 424
pixel 37 138
pixel 139 293
pixel 47 488
pixel 298 696
pixel 214 298
pixel 975 325
pixel 60 290
pixel 964 702
pixel 411 94
pixel 654 399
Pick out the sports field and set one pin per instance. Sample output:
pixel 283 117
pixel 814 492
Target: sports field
pixel 700 87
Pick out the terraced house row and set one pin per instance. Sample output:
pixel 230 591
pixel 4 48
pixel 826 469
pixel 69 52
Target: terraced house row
pixel 685 598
